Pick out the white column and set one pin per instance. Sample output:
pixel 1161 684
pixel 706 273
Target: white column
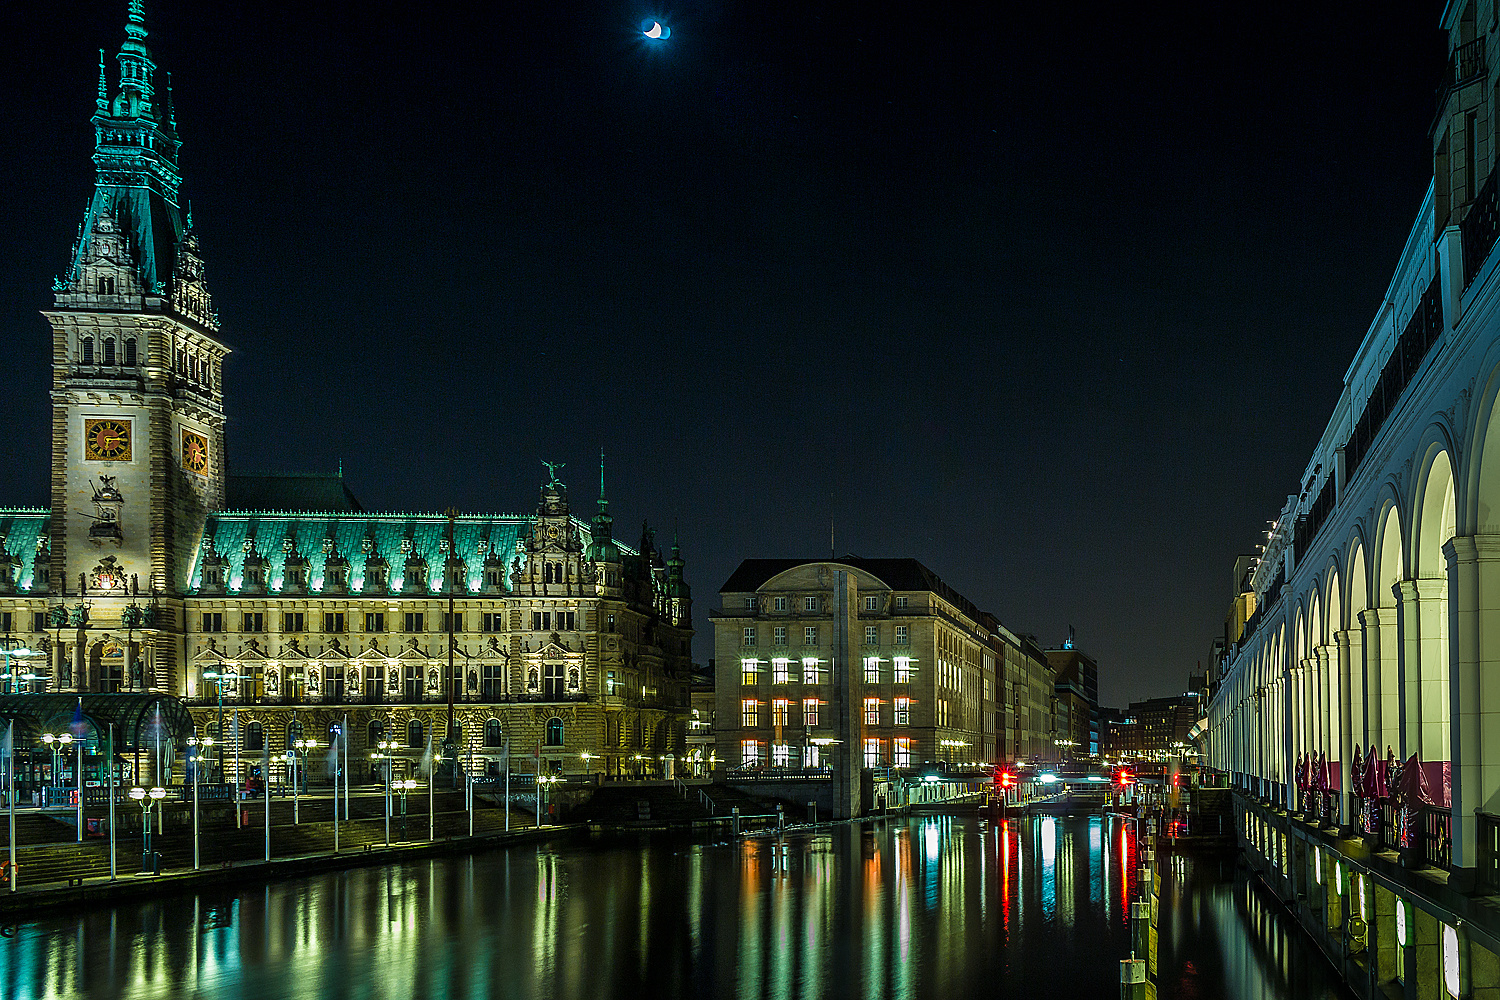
pixel 1424 670
pixel 1342 720
pixel 1382 677
pixel 1474 657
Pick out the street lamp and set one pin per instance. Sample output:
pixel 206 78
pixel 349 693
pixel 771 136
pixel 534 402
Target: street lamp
pixel 431 816
pixel 404 785
pixel 147 799
pixel 196 749
pixel 387 749
pixel 542 781
pixel 302 747
pixel 60 742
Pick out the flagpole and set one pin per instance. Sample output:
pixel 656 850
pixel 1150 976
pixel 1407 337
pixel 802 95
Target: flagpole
pixel 234 727
pixel 11 778
pixel 113 869
pixel 507 784
pixel 336 791
pixel 265 783
pixel 78 738
pixel 348 815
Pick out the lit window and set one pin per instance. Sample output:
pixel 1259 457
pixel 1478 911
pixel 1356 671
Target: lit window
pixel 872 604
pixel 780 670
pixel 750 713
pixel 901 635
pixel 810 635
pixel 809 711
pixel 903 669
pixel 872 711
pixel 749 753
pixel 749 638
pixel 778 603
pixel 900 604
pixel 872 670
pixel 779 711
pixel 903 711
pixel 872 635
pixel 749 670
pixel 901 751
pixel 810 604
pixel 811 670
pixel 778 635
pixel 781 755
pixel 872 753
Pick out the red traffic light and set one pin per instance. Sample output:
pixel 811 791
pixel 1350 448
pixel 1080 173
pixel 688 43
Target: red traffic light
pixel 1005 778
pixel 1124 777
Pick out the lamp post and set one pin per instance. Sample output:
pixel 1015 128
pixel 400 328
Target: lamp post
pixel 196 749
pixel 60 742
pixel 542 782
pixel 147 799
pixel 403 786
pixel 301 747
pixel 386 750
pixel 431 816
pixel 219 679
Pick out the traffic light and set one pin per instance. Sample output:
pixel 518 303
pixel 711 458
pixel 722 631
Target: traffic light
pixel 1005 779
pixel 1124 777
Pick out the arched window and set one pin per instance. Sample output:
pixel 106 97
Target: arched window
pixel 88 350
pixel 109 350
pixel 414 733
pixel 293 733
pixel 374 732
pixel 554 732
pixel 255 737
pixel 130 352
pixel 494 735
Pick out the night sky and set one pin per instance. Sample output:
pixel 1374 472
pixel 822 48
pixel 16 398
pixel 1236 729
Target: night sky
pixel 1056 301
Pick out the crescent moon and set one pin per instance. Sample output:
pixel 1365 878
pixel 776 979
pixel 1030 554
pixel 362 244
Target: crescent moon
pixel 655 30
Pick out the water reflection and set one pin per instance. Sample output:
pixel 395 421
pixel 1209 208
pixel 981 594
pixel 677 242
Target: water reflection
pixel 928 907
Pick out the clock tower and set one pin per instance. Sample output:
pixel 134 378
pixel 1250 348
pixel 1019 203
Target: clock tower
pixel 137 404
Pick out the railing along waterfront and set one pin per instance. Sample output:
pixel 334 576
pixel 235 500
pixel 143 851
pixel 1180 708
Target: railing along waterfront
pixel 1435 828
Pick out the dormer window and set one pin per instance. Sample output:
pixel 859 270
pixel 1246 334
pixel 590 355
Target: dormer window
pixel 88 350
pixel 106 286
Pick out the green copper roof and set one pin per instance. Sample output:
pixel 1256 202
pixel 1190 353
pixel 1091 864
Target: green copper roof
pixel 20 528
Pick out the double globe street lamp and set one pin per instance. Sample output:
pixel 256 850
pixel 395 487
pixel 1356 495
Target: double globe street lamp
pixel 58 742
pixel 149 861
pixel 196 749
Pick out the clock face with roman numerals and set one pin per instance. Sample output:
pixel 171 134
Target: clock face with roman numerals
pixel 194 452
pixel 106 440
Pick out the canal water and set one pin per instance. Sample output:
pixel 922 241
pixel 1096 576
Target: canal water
pixel 949 907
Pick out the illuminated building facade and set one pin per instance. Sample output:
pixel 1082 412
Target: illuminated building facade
pixel 157 570
pixel 900 672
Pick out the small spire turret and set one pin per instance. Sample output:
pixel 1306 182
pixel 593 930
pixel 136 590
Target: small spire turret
pixel 102 102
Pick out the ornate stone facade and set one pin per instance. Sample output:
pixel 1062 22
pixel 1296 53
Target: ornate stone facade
pixel 155 570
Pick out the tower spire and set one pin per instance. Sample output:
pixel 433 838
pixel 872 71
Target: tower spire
pixel 603 503
pixel 102 102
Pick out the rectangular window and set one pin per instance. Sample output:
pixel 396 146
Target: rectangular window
pixel 872 604
pixel 749 713
pixel 255 621
pixel 872 711
pixel 492 684
pixel 541 621
pixel 39 622
pixel 812 670
pixel 809 604
pixel 778 635
pixel 749 636
pixel 779 712
pixel 333 621
pixel 414 621
pixel 611 683
pixel 453 621
pixel 492 621
pixel 213 621
pixel 7 622
pixel 903 712
pixel 294 621
pixel 780 672
pixel 749 753
pixel 901 635
pixel 567 621
pixel 872 753
pixel 778 603
pixel 781 755
pixel 872 670
pixel 374 621
pixel 810 635
pixel 809 711
pixel 901 752
pixel 750 602
pixel 749 671
pixel 900 604
pixel 903 669
pixel 872 635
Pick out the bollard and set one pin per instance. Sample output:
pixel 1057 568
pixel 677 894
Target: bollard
pixel 1133 979
pixel 812 812
pixel 734 814
pixel 780 818
pixel 1140 926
